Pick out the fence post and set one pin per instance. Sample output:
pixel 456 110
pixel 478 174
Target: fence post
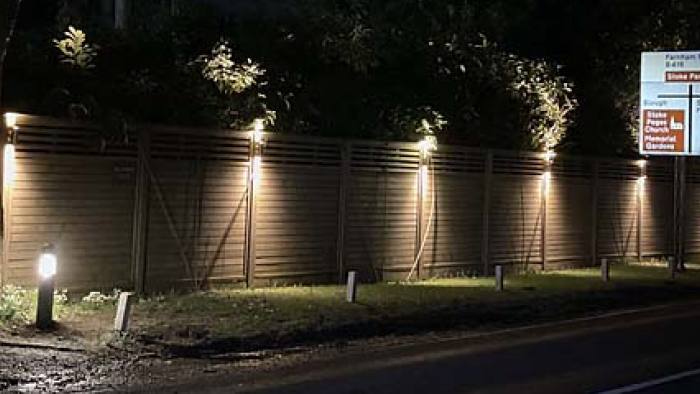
pixel 640 206
pixel 5 244
pixel 594 215
pixel 680 264
pixel 486 213
pixel 419 215
pixel 8 168
pixel 7 228
pixel 678 203
pixel 544 197
pixel 343 191
pixel 254 168
pixel 141 213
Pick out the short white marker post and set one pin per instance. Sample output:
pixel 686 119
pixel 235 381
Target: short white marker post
pixel 672 267
pixel 605 270
pixel 499 278
pixel 352 286
pixel 121 322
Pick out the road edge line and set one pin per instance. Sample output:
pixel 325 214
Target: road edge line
pixel 652 383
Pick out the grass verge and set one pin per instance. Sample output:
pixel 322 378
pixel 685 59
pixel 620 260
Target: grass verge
pixel 229 320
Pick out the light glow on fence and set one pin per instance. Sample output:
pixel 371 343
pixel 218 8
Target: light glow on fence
pixel 255 168
pixel 546 180
pixel 8 179
pixel 641 181
pixel 423 180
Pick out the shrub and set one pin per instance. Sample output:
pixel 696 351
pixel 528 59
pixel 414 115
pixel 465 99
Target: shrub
pixel 95 298
pixel 15 304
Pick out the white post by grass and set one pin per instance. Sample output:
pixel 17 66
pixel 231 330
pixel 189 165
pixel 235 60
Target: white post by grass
pixel 672 267
pixel 352 286
pixel 121 322
pixel 605 270
pixel 499 278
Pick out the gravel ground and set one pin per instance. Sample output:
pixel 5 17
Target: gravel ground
pixel 45 371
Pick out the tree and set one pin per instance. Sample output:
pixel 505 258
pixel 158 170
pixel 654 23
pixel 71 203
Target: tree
pixel 9 9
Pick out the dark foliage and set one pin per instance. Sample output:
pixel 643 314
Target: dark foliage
pixel 356 68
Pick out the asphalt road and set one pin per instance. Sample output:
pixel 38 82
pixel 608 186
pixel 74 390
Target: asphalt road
pixel 583 356
pixel 681 386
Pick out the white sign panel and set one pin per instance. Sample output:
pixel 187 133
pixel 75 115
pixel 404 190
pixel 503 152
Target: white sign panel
pixel 670 109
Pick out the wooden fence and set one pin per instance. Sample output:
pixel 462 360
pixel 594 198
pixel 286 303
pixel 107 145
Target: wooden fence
pixel 176 207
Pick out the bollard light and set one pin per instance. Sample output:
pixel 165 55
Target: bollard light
pixel 47 273
pixel 47 265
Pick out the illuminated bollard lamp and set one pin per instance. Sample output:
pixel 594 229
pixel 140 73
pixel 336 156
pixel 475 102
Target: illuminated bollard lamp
pixel 47 282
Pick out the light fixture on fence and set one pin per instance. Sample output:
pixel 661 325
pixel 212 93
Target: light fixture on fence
pixel 48 263
pixel 9 153
pixel 257 137
pixel 11 120
pixel 257 142
pixel 548 158
pixel 426 146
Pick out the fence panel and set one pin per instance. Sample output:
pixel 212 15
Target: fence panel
pixel 381 214
pixel 692 209
pixel 454 194
pixel 617 208
pixel 516 215
pixel 197 207
pixel 568 213
pixel 657 219
pixel 70 192
pixel 298 211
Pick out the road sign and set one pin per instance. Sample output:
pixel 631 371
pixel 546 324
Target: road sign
pixel 669 103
